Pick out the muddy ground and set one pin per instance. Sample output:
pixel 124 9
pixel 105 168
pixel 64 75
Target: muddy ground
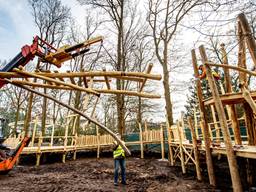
pixel 91 174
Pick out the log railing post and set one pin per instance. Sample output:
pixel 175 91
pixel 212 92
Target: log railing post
pixel 195 148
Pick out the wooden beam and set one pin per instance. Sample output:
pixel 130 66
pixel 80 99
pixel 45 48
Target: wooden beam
pixel 231 108
pixel 247 33
pixel 106 79
pixel 112 74
pixel 205 130
pixel 181 148
pixel 230 98
pixel 149 68
pixel 76 111
pixel 105 91
pixel 130 93
pixel 236 182
pixel 55 81
pixel 60 78
pixel 232 67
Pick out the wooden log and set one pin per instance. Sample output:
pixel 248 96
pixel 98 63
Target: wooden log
pixel 75 144
pixel 130 93
pixel 196 123
pixel 76 111
pixel 209 162
pixel 106 79
pixel 162 141
pixel 215 124
pixel 38 153
pixel 236 182
pixel 112 74
pixel 247 32
pixel 195 148
pixel 55 81
pixel 149 68
pixel 169 136
pixel 34 132
pixel 241 55
pixel 52 135
pixel 231 108
pixel 240 69
pixel 181 149
pixel 141 143
pixel 106 91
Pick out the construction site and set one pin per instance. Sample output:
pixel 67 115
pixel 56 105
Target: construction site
pixel 212 148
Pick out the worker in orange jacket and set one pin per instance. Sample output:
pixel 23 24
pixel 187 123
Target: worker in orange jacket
pixel 202 73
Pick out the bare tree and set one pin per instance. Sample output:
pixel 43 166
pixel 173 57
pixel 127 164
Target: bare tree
pixel 51 18
pixel 164 18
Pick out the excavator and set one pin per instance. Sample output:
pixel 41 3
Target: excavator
pixel 11 156
pixel 46 53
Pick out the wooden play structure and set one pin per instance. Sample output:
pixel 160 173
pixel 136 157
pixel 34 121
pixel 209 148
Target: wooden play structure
pixel 216 136
pixel 215 127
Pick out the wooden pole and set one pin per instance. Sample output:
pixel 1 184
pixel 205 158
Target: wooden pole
pixel 110 74
pixel 196 123
pixel 205 131
pixel 162 141
pixel 98 142
pixel 196 151
pixel 52 135
pixel 149 68
pixel 74 156
pixel 247 32
pixel 65 141
pixel 76 111
pixel 38 153
pixel 231 108
pixel 181 149
pixel 215 124
pixel 237 187
pixel 248 108
pixel 141 143
pixel 34 132
pixel 168 131
pixel 21 71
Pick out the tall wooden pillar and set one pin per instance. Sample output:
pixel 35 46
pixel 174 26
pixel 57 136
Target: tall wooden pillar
pixel 204 121
pixel 236 182
pixel 232 109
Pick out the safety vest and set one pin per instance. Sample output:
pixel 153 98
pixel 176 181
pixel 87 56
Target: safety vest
pixel 119 152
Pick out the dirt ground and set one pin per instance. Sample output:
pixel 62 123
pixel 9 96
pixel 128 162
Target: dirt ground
pixel 91 174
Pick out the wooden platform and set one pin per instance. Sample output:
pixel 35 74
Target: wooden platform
pixel 230 98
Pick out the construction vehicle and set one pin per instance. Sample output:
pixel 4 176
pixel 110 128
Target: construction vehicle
pixel 12 156
pixel 47 53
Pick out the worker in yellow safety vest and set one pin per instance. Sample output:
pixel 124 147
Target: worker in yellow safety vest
pixel 119 161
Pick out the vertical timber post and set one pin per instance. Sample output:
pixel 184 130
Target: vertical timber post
pixel 141 143
pixel 205 131
pixel 181 149
pixel 162 141
pixel 236 182
pixel 231 108
pixel 196 151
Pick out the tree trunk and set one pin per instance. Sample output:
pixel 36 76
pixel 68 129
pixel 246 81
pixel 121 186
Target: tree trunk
pixel 167 95
pixel 120 67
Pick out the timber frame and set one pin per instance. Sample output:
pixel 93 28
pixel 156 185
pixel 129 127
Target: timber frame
pixel 72 80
